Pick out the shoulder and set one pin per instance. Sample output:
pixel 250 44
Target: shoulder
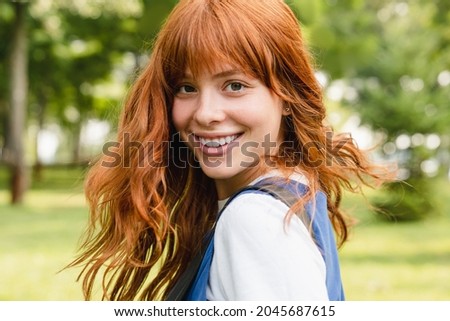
pixel 252 206
pixel 257 255
pixel 260 216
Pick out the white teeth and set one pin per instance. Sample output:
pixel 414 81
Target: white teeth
pixel 212 144
pixel 216 142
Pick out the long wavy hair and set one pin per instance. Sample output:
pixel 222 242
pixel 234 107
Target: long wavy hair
pixel 150 203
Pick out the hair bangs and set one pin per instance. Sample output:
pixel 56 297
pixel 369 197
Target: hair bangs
pixel 207 36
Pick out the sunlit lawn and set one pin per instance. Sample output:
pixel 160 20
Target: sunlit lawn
pixel 398 261
pixel 35 243
pixel 38 238
pixel 382 261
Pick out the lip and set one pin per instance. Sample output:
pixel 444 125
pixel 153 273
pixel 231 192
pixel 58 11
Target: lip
pixel 214 151
pixel 211 135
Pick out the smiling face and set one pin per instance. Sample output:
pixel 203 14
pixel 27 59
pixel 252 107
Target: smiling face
pixel 229 120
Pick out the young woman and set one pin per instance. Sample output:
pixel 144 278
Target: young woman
pixel 228 99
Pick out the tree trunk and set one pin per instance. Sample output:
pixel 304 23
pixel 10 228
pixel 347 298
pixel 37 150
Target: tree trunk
pixel 18 95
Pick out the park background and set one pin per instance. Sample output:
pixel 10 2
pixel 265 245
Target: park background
pixel 384 65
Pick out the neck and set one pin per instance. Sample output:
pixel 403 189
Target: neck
pixel 226 187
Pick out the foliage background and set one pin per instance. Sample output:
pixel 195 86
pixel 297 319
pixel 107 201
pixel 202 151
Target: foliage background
pixel 385 70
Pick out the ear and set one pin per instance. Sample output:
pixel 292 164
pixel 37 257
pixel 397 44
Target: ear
pixel 286 110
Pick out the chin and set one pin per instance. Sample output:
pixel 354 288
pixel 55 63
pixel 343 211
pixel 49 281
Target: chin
pixel 219 172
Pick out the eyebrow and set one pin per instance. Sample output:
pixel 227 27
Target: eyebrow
pixel 227 73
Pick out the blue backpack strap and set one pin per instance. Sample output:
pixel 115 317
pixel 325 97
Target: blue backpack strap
pixel 197 289
pixel 322 229
pixel 287 191
pixel 192 284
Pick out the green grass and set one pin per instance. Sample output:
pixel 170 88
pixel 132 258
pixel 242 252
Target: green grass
pixel 40 237
pixel 398 261
pixel 381 261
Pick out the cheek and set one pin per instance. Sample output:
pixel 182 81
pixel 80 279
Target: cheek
pixel 180 116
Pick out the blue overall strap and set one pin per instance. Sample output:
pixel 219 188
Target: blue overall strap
pixel 197 290
pixel 317 213
pixel 192 284
pixel 287 191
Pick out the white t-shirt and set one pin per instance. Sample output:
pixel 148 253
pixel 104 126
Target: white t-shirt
pixel 258 257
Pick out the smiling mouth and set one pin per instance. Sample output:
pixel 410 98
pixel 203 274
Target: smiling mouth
pixel 214 146
pixel 217 141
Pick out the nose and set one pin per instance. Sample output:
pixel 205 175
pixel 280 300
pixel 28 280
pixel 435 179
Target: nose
pixel 209 110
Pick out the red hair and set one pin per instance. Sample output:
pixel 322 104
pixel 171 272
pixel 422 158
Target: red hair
pixel 148 219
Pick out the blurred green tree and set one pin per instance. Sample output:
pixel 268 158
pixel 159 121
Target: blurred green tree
pixel 394 57
pixel 71 47
pixel 18 87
